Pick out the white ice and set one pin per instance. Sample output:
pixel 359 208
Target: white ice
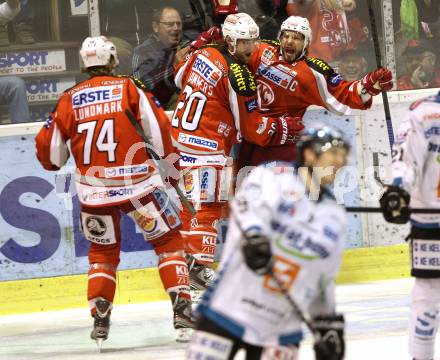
pixel 377 315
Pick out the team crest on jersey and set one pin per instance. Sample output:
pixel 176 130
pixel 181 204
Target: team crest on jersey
pixel 265 94
pixel 267 57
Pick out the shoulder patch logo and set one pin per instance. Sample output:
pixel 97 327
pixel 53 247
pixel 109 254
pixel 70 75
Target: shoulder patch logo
pixel 242 80
pixel 138 82
pixel 48 122
pixel 320 66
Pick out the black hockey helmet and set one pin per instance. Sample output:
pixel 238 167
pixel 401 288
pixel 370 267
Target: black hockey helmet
pixel 320 138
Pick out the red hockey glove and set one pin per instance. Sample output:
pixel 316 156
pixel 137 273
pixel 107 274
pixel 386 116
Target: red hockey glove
pixel 382 78
pixel 213 35
pixel 285 130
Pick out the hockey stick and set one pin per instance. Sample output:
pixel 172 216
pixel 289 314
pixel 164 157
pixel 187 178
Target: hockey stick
pixel 386 104
pixel 376 169
pixel 360 209
pixel 296 309
pixel 155 156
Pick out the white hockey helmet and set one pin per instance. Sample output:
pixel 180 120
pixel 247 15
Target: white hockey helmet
pixel 97 51
pixel 300 25
pixel 240 26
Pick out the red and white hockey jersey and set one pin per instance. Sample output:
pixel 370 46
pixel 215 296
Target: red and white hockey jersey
pixel 218 104
pixel 285 88
pixel 112 163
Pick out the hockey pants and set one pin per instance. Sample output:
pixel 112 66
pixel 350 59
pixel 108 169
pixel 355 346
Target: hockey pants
pixel 101 226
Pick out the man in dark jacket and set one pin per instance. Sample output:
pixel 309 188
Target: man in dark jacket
pixel 153 59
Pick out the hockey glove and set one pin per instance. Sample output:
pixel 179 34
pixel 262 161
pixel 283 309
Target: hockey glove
pixel 395 205
pixel 212 35
pixel 377 81
pixel 330 344
pixel 257 253
pixel 285 130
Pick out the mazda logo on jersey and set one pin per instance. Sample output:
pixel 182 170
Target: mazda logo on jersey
pixel 197 141
pixel 96 226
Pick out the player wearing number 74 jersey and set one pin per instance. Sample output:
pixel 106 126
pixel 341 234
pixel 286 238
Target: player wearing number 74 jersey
pixel 115 174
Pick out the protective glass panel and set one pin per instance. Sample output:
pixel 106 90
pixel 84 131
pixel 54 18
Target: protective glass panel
pixel 341 33
pixel 39 43
pixel 417 33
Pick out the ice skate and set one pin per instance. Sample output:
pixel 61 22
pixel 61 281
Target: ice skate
pixel 101 326
pixel 183 321
pixel 200 277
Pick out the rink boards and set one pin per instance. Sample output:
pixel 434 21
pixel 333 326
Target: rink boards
pixel 43 254
pixel 142 285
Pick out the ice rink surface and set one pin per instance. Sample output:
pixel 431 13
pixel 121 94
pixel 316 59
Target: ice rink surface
pixel 376 312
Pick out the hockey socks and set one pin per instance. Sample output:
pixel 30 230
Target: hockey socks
pixel 101 284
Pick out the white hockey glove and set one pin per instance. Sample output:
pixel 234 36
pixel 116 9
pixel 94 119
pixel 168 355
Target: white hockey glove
pixel 331 342
pixel 257 253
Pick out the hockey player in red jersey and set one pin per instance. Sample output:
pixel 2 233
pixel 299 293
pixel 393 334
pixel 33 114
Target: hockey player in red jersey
pixel 217 106
pixel 289 82
pixel 115 174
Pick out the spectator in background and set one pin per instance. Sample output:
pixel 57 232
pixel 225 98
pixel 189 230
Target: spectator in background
pixel 153 60
pixel 12 88
pixel 352 65
pixel 264 12
pixel 124 22
pixel 416 17
pixel 13 94
pixel 126 19
pixel 22 24
pixel 333 30
pixel 421 66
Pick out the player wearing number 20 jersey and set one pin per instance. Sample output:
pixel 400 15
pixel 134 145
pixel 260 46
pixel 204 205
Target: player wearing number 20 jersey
pixel 115 175
pixel 217 106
